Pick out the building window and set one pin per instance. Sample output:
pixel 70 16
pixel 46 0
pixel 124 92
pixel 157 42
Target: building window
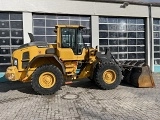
pixel 11 36
pixel 124 36
pixel 44 25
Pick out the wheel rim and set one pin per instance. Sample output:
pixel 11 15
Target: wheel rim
pixel 109 76
pixel 47 80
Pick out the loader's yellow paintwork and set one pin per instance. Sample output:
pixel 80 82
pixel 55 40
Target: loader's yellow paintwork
pixel 65 55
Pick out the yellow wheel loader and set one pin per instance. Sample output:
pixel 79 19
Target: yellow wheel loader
pixel 48 66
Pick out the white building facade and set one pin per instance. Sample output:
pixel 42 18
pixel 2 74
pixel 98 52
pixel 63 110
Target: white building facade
pixel 132 31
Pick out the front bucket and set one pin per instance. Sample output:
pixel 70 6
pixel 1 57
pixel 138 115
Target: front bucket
pixel 140 77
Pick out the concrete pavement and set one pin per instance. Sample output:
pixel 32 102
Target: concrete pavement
pixel 80 101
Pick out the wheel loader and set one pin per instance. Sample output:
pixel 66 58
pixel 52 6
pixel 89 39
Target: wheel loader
pixel 49 66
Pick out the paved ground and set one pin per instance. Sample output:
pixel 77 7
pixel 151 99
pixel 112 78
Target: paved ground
pixel 80 101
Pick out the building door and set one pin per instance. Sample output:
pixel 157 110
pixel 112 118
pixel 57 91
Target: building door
pixel 124 36
pixel 11 37
pixel 156 37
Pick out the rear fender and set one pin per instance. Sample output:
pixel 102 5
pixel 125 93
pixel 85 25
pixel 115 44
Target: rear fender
pixel 46 59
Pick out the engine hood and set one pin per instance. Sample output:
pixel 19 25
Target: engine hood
pixel 39 44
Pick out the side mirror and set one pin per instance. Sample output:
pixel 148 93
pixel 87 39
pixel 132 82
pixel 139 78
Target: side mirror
pixel 55 30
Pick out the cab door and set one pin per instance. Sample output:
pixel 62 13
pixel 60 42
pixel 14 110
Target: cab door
pixel 71 47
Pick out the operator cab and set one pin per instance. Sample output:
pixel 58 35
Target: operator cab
pixel 70 44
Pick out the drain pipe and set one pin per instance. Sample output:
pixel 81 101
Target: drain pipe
pixel 151 38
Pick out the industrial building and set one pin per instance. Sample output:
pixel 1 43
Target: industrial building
pixel 130 29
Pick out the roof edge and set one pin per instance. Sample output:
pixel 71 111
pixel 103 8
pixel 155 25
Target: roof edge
pixel 122 1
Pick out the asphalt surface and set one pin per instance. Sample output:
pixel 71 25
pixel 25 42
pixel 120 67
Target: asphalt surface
pixel 80 101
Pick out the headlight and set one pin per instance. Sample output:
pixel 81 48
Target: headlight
pixel 15 62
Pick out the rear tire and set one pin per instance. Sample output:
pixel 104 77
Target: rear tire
pixel 107 75
pixel 47 79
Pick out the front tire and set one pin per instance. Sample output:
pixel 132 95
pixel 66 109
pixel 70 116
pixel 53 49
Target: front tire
pixel 47 79
pixel 107 75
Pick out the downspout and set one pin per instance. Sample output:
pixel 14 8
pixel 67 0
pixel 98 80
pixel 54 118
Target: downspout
pixel 151 37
